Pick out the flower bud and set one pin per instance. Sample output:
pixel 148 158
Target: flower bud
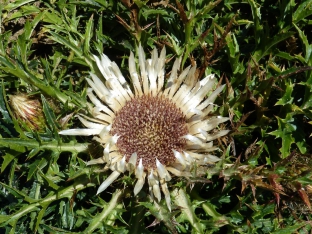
pixel 27 110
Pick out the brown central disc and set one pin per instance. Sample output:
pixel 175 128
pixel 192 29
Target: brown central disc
pixel 151 127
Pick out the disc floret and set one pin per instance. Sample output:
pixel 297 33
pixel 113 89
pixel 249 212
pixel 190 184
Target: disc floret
pixel 151 127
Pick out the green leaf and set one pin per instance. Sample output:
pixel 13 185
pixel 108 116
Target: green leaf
pixel 50 118
pixel 256 15
pixel 4 218
pixel 35 166
pixel 18 194
pixel 13 5
pixel 78 100
pixel 23 211
pixel 290 229
pixel 88 35
pixel 98 219
pixel 6 121
pixel 287 98
pixel 8 157
pixel 285 130
pixel 147 12
pixel 41 214
pixel 54 18
pixel 67 43
pixel 50 182
pixel 233 54
pixel 17 143
pixel 181 200
pixel 80 172
pixel 67 215
pixel 34 24
pixel 307 47
pixel 266 46
pixel 211 210
pixel 303 11
pixel 161 213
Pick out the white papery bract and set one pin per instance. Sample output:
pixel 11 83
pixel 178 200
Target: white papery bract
pixel 153 128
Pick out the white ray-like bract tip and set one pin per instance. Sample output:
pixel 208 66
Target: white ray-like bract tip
pixel 106 153
pixel 139 170
pixel 104 64
pixel 193 139
pixel 204 133
pixel 134 75
pixel 211 98
pixel 217 135
pixel 162 172
pixel 119 75
pixel 105 131
pixel 114 139
pixel 165 190
pixel 195 111
pixel 207 125
pixel 211 158
pixel 173 75
pixel 99 93
pixel 152 72
pixel 92 97
pixel 179 157
pixel 112 177
pixel 214 122
pixel 138 186
pixel 207 79
pixel 96 161
pixel 199 96
pixel 132 162
pixel 161 68
pixel 142 62
pixel 190 78
pixel 179 173
pixel 177 83
pixel 121 165
pixel 123 96
pixel 80 132
pixel 154 185
pixel 90 124
pixel 188 158
pixel 99 85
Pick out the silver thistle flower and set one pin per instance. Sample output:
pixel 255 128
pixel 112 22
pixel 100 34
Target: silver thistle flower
pixel 154 130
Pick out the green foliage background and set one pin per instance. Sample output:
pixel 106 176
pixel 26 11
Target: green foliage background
pixel 261 49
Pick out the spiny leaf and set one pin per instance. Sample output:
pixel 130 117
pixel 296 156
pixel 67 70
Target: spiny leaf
pixel 16 143
pixel 306 45
pixel 98 219
pixel 182 200
pixel 290 229
pixel 64 41
pixel 35 166
pixel 17 193
pixel 50 118
pixel 8 157
pixel 266 46
pixel 287 98
pixel 285 129
pixel 13 5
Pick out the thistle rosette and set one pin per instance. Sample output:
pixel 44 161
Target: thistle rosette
pixel 152 128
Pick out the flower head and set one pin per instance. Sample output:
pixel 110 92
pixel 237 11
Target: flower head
pixel 154 129
pixel 28 110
